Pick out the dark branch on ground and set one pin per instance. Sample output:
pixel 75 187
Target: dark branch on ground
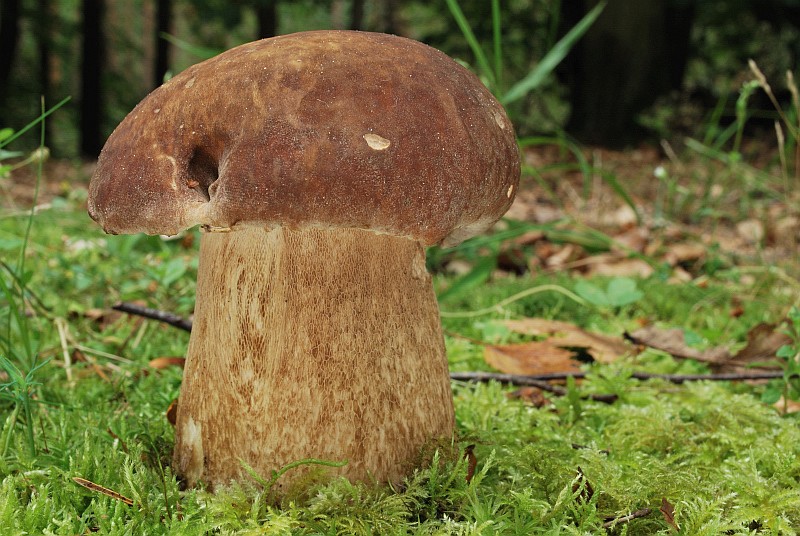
pixel 625 519
pixel 540 381
pixel 534 381
pixel 154 314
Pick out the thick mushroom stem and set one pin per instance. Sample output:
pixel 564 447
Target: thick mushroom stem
pixel 311 344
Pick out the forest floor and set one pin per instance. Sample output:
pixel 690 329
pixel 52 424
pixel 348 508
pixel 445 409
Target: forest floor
pixel 611 267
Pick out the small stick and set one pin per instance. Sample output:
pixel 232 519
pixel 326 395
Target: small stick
pixel 539 380
pixel 624 519
pixel 88 484
pixel 536 381
pixel 154 314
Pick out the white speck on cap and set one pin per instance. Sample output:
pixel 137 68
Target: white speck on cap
pixel 379 143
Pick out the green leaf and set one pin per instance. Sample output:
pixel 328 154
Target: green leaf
pixel 623 291
pixel 592 293
pixel 691 338
pixel 772 393
pixel 203 53
pixel 10 244
pixel 620 291
pixel 172 271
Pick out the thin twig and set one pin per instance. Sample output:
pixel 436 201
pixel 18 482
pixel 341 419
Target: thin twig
pixel 537 380
pixel 540 380
pixel 625 519
pixel 154 314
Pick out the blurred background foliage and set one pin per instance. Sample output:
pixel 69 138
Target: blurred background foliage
pixel 645 70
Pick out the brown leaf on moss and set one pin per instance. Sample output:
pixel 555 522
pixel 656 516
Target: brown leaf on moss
pixel 763 341
pixel 530 358
pixel 602 348
pixel 472 461
pixel 669 513
pixel 673 342
pixel 613 266
pixel 530 395
pixel 684 252
pixel 172 413
pixel 169 361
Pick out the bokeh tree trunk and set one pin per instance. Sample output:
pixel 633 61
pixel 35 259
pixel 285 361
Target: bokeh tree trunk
pixel 267 15
pixel 43 18
pixel 163 26
pixel 635 52
pixel 9 37
pixel 93 54
pixel 357 14
pixel 391 19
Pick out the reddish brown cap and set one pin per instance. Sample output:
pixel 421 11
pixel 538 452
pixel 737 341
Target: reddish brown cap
pixel 320 129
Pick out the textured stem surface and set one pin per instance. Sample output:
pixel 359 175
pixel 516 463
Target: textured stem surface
pixel 311 344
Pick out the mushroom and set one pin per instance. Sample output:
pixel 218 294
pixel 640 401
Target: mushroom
pixel 319 166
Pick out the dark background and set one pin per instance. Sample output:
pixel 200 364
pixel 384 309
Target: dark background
pixel 646 70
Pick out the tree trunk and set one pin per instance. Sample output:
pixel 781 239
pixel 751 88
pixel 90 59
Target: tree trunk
pixel 357 15
pixel 391 21
pixel 9 37
pixel 163 26
pixel 91 106
pixel 635 52
pixel 44 15
pixel 267 15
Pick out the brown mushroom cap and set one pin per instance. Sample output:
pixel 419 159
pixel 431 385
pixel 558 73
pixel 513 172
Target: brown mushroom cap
pixel 326 128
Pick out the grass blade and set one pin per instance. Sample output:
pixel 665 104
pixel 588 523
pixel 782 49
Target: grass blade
pixel 32 124
pixel 477 276
pixel 497 45
pixel 198 51
pixel 472 41
pixel 551 60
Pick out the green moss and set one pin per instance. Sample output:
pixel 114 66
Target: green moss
pixel 725 461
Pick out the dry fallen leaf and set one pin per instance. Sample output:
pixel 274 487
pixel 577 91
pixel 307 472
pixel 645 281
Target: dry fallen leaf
pixel 612 267
pixel 635 239
pixel 164 362
pixel 669 513
pixel 684 252
pixel 752 230
pixel 172 413
pixel 763 341
pixel 472 461
pixel 562 256
pixel 786 406
pixel 602 348
pixel 673 342
pixel 530 395
pixel 530 358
